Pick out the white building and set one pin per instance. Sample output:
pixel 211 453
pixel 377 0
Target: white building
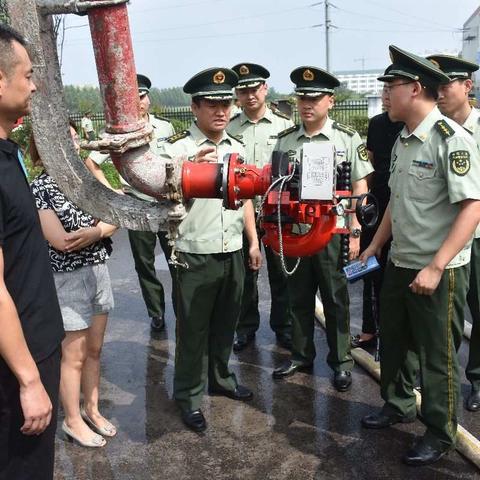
pixel 471 45
pixel 361 81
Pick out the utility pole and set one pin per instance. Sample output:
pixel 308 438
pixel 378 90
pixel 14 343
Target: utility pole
pixel 327 35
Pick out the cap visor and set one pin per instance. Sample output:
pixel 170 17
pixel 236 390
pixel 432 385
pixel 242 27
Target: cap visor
pixel 249 84
pixel 216 97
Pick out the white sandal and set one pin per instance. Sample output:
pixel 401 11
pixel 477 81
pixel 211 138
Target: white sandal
pixel 97 441
pixel 108 430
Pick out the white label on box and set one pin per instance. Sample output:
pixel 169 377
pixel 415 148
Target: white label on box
pixel 318 165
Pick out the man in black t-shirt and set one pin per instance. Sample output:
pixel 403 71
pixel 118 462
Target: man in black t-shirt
pixel 381 136
pixel 31 328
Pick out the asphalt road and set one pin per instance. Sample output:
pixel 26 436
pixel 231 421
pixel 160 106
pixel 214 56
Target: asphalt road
pixel 300 428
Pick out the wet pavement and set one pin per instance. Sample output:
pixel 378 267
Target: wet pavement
pixel 299 428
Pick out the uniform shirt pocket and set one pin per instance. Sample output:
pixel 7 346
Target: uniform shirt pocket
pixel 423 183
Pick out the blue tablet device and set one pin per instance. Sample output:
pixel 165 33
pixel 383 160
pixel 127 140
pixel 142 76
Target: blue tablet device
pixel 356 269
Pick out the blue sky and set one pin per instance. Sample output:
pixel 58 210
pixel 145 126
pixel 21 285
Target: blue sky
pixel 174 39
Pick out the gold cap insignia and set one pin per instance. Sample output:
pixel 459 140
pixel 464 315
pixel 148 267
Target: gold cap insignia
pixel 244 70
pixel 219 77
pixel 435 63
pixel 308 75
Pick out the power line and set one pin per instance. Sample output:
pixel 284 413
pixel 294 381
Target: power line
pixel 213 22
pixel 77 26
pixel 232 34
pixel 231 19
pixel 385 19
pixel 394 31
pixel 174 7
pixel 429 21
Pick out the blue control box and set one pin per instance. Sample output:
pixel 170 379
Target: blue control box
pixel 356 269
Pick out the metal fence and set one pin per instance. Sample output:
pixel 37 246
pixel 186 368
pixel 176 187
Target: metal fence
pixel 353 113
pixel 181 117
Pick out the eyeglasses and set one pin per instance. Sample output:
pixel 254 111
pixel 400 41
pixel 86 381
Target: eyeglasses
pixel 388 88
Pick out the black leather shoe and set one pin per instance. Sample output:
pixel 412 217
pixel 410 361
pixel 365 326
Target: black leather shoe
pixel 384 420
pixel 284 340
pixel 342 381
pixel 241 393
pixel 289 368
pixel 194 420
pixel 473 401
pixel 157 324
pixel 242 341
pixel 422 453
pixel 357 342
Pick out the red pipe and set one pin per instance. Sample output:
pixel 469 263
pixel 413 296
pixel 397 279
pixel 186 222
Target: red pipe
pixel 201 180
pixel 112 45
pixel 254 181
pixel 209 180
pixel 295 245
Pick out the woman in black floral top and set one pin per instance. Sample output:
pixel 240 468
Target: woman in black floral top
pixel 78 246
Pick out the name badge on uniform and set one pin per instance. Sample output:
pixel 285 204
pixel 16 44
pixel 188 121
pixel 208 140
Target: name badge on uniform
pixel 423 164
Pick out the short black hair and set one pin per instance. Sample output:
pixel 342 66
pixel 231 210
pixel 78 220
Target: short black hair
pixel 73 124
pixel 7 36
pixel 431 92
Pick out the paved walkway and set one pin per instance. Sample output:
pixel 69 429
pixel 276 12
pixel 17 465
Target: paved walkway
pixel 299 428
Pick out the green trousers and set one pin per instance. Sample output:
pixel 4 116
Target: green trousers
pixel 473 299
pixel 142 245
pixel 323 272
pixel 208 305
pixel 280 314
pixel 427 325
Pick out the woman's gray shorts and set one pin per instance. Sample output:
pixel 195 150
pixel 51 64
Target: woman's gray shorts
pixel 83 293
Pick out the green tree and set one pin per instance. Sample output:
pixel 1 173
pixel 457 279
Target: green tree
pixel 274 95
pixel 81 99
pixel 3 12
pixel 169 97
pixel 342 93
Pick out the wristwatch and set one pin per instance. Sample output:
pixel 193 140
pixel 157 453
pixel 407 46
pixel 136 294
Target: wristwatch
pixel 355 232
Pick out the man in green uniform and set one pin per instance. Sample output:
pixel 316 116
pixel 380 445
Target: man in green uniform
pixel 143 244
pixel 258 126
pixel 433 211
pixel 315 97
pixel 209 243
pixel 453 102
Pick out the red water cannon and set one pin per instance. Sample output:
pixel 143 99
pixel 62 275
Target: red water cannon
pixel 301 201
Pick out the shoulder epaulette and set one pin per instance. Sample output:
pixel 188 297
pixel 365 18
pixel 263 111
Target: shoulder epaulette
pixel 178 136
pixel 165 119
pixel 235 116
pixel 287 131
pixel 444 129
pixel 236 137
pixel 279 113
pixel 344 128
